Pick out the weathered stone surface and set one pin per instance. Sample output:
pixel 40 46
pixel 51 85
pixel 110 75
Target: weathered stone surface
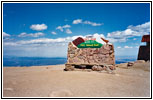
pixel 97 68
pixel 99 56
pixel 105 54
pixel 111 67
pixel 130 64
pixel 69 68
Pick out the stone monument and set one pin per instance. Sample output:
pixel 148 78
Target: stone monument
pixel 90 53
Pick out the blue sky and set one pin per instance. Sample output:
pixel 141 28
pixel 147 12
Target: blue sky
pixel 44 29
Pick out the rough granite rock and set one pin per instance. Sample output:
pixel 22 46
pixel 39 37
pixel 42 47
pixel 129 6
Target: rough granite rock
pixel 130 64
pixel 97 68
pixel 99 56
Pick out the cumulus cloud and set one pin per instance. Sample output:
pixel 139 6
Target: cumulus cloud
pixel 92 23
pixel 10 43
pixel 119 47
pixel 50 40
pixel 38 27
pixel 79 21
pixel 31 34
pixel 42 41
pixel 68 31
pixel 128 47
pixel 47 47
pixel 6 35
pixel 66 26
pixel 53 33
pixel 141 29
pixel 131 31
pixel 61 28
pixel 96 35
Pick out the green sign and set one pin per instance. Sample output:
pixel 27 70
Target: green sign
pixel 90 44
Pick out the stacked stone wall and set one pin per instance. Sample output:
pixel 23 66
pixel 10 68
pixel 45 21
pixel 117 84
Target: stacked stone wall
pixel 98 56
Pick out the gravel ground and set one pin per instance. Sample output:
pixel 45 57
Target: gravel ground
pixel 52 81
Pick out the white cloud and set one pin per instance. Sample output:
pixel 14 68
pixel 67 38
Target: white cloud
pixel 45 47
pixel 10 43
pixel 57 40
pixel 98 37
pixel 66 26
pixel 53 33
pixel 23 34
pixel 119 47
pixel 68 31
pixel 111 39
pixel 127 47
pixel 92 23
pixel 131 31
pixel 48 47
pixel 95 35
pixel 134 39
pixel 38 27
pixel 31 34
pixel 50 40
pixel 141 29
pixel 77 21
pixel 6 35
pixel 61 28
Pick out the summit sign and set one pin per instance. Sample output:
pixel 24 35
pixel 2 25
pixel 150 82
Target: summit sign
pixel 90 44
pixel 87 43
